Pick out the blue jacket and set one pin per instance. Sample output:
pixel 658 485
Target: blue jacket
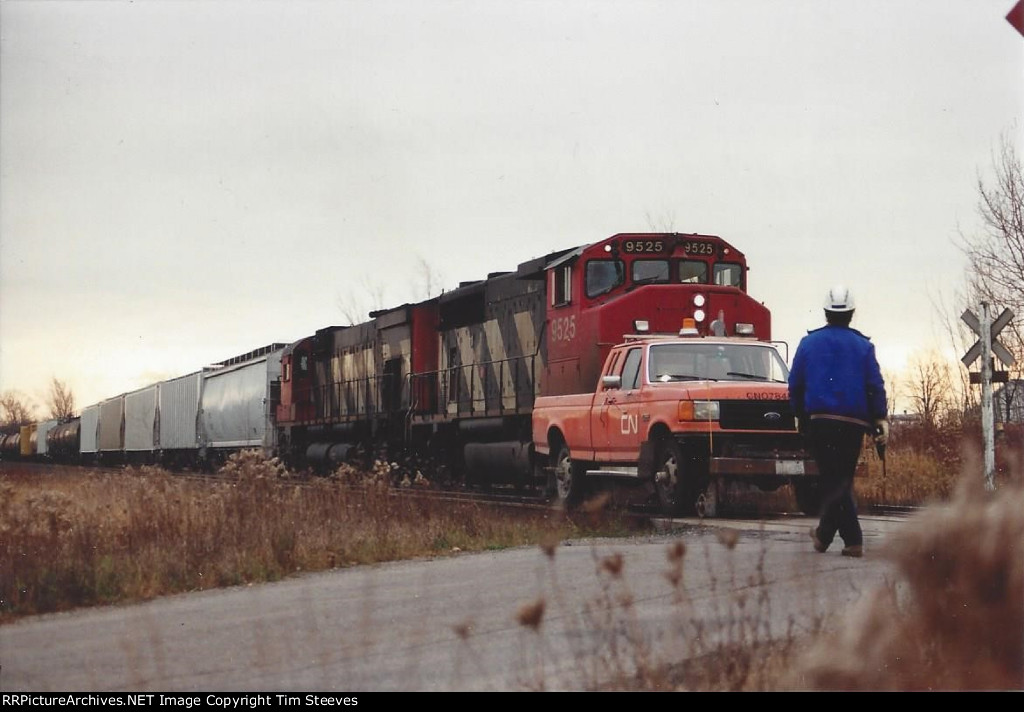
pixel 835 372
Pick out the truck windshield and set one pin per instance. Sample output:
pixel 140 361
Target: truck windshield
pixel 718 362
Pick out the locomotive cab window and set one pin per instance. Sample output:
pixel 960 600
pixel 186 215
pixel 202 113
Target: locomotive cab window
pixel 693 271
pixel 728 274
pixel 649 271
pixel 561 285
pixel 603 276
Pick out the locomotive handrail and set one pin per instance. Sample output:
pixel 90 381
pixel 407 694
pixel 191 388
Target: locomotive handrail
pixel 472 388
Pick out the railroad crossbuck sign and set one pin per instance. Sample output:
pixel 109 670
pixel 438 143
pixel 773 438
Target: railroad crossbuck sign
pixel 998 350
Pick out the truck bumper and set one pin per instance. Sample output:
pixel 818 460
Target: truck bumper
pixel 726 466
pixel 761 468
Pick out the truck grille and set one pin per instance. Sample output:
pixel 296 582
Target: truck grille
pixel 756 415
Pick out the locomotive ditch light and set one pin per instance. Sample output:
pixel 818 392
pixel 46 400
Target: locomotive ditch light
pixel 641 326
pixel 744 329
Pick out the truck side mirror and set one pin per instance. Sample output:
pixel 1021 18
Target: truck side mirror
pixel 611 381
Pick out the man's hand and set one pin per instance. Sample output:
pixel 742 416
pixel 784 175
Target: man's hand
pixel 881 431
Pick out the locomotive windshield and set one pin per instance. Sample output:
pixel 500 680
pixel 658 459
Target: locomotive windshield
pixel 649 271
pixel 693 271
pixel 728 274
pixel 719 362
pixel 603 276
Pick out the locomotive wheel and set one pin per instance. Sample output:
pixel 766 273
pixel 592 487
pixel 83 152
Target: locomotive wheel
pixel 568 478
pixel 668 479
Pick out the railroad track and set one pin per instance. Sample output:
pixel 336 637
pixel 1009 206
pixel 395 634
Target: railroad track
pixel 531 500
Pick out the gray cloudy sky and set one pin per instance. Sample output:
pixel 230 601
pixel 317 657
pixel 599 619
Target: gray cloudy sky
pixel 184 181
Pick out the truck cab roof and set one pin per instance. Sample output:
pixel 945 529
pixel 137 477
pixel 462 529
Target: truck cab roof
pixel 673 359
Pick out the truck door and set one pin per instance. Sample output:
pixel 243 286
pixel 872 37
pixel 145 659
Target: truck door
pixel 617 412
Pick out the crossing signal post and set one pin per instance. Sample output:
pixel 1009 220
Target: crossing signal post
pixel 985 347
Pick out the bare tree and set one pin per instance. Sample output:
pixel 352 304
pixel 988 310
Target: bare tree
pixel 356 305
pixel 430 279
pixel 996 253
pixel 61 400
pixel 15 410
pixel 893 389
pixel 961 338
pixel 928 386
pixel 661 223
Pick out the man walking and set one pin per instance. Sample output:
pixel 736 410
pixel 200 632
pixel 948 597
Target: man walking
pixel 838 395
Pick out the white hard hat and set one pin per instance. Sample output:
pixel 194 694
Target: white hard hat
pixel 839 299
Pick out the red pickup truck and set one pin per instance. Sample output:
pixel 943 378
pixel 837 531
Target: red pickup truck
pixel 688 418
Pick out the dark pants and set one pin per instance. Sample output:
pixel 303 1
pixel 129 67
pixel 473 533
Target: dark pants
pixel 836 446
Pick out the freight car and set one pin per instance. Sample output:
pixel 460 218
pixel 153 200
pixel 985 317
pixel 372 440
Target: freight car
pixel 195 421
pixel 453 379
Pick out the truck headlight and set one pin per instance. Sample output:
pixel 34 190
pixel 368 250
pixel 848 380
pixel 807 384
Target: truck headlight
pixel 698 410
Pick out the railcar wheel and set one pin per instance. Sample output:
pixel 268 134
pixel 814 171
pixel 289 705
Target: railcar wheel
pixel 706 505
pixel 569 485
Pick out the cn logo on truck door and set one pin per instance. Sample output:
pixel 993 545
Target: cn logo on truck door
pixel 628 424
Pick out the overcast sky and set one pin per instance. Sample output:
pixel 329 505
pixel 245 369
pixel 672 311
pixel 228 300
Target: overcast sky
pixel 181 182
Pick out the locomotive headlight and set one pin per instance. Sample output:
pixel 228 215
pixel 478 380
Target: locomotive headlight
pixel 697 410
pixel 698 300
pixel 699 315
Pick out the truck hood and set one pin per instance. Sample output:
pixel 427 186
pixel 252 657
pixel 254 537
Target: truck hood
pixel 722 390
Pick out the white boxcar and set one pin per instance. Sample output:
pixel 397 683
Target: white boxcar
pixel 179 413
pixel 140 420
pixel 111 432
pixel 42 430
pixel 236 401
pixel 89 442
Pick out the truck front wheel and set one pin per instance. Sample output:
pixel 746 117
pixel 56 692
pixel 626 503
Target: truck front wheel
pixel 682 484
pixel 569 478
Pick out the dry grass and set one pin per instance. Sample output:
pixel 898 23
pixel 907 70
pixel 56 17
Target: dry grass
pixel 953 619
pixel 90 538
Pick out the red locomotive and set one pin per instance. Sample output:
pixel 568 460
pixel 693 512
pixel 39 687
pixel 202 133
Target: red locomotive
pixel 455 377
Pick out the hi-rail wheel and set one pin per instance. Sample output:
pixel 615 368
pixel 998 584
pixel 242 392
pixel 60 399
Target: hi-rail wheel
pixel 569 478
